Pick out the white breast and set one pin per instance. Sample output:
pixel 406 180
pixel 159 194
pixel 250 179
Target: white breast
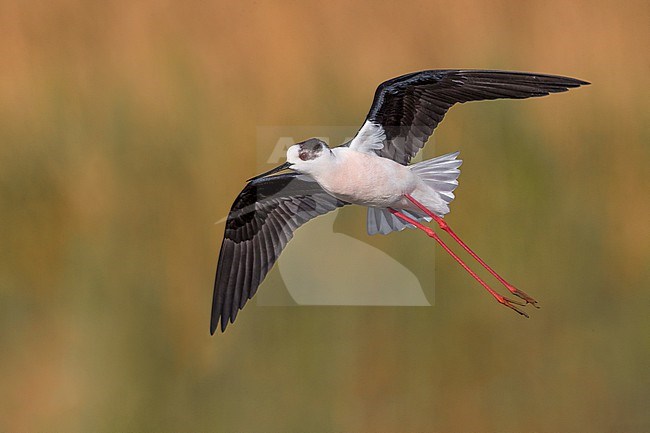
pixel 366 179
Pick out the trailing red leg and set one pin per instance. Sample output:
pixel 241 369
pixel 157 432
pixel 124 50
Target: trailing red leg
pixel 444 226
pixel 501 299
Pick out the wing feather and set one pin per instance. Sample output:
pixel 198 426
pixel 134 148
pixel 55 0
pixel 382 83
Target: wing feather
pixel 408 108
pixel 260 224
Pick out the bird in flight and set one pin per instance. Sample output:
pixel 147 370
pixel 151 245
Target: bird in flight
pixel 370 170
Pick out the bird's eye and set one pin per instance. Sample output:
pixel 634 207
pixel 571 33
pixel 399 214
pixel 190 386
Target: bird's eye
pixel 304 154
pixel 310 151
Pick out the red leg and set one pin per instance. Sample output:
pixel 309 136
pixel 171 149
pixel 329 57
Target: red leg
pixel 444 226
pixel 501 299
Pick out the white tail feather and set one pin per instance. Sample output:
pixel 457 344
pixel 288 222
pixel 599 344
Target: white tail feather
pixel 441 174
pixel 382 221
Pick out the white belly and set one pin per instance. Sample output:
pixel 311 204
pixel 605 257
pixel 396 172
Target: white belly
pixel 368 180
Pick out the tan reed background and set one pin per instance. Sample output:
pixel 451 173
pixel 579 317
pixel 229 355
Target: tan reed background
pixel 128 127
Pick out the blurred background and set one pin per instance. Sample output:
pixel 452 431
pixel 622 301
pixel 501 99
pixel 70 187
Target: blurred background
pixel 127 128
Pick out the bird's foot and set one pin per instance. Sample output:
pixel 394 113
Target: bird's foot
pixel 522 295
pixel 512 303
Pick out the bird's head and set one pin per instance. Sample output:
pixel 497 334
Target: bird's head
pixel 307 157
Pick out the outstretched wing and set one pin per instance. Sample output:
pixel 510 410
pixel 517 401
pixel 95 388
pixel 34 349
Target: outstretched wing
pixel 261 222
pixel 407 109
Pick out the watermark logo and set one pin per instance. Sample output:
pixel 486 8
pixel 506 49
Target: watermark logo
pixel 331 259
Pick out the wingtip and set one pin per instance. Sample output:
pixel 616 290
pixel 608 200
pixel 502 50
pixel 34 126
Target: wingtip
pixel 215 326
pixel 576 82
pixel 218 322
pixel 224 322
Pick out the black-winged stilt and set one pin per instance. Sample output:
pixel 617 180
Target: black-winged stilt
pixel 370 170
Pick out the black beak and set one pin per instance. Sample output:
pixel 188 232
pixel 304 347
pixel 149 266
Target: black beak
pixel 284 166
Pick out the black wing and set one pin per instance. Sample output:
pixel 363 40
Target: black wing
pixel 409 108
pixel 261 222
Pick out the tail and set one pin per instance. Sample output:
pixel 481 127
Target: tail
pixel 440 174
